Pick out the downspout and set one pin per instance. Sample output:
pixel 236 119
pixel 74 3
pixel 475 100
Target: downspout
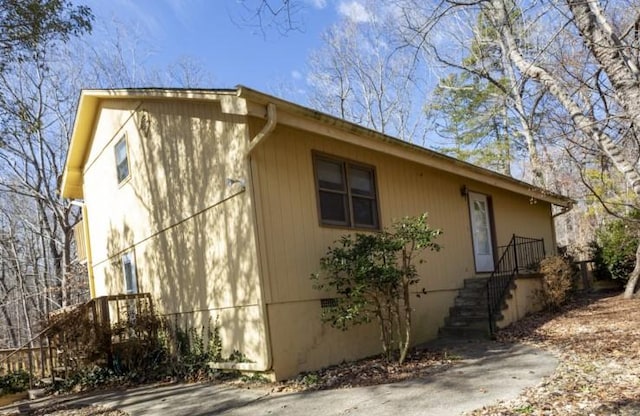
pixel 87 246
pixel 563 211
pixel 272 120
pixel 260 137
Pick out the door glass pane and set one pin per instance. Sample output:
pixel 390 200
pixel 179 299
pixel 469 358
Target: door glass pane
pixel 333 207
pixel 330 175
pixel 481 229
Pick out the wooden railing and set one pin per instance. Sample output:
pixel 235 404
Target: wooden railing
pixel 35 360
pixel 70 334
pixel 521 255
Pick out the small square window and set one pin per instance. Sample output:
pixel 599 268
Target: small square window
pixel 122 159
pixel 347 193
pixel 129 273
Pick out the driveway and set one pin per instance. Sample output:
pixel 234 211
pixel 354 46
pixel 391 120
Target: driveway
pixel 487 372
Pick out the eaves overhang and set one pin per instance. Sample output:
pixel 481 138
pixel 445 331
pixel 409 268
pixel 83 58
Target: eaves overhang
pixel 71 185
pixel 288 114
pixel 316 121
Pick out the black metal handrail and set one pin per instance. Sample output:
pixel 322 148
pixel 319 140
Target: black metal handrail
pixel 521 255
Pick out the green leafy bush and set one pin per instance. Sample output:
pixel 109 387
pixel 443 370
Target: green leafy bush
pixel 558 276
pixel 150 348
pixel 14 382
pixel 614 250
pixel 372 274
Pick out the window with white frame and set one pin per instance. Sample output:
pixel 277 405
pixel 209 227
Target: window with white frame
pixel 122 159
pixel 129 273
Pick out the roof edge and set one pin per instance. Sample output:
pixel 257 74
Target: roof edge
pixel 526 188
pixel 71 184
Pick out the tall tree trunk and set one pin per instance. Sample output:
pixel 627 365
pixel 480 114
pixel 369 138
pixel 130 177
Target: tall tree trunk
pixel 24 295
pixel 610 52
pixel 620 69
pixel 384 338
pixel 634 278
pixel 407 322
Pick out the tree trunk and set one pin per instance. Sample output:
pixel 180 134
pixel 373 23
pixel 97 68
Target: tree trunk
pixel 610 53
pixel 407 323
pixel 634 278
pixel 384 337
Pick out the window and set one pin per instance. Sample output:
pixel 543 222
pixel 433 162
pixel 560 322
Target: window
pixel 129 273
pixel 122 159
pixel 346 193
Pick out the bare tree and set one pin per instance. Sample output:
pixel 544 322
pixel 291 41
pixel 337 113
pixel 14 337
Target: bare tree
pixel 282 16
pixel 39 267
pixel 586 60
pixel 37 236
pixel 360 75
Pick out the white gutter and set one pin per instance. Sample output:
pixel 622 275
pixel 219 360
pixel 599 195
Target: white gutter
pixel 87 246
pixel 563 210
pixel 272 120
pixel 268 128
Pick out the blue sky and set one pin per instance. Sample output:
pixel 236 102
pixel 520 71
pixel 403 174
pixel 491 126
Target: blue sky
pixel 211 31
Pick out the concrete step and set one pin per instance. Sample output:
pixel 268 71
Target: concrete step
pixel 476 282
pixel 468 318
pixel 456 321
pixel 471 303
pixel 471 322
pixel 469 311
pixel 467 294
pixel 464 332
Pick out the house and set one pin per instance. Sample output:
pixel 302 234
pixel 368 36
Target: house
pixel 220 203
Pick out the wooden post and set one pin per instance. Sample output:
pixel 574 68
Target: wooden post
pixel 43 361
pixel 51 363
pixel 30 360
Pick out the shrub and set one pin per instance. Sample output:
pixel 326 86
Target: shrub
pixel 143 348
pixel 192 355
pixel 614 250
pixel 372 274
pixel 558 276
pixel 14 382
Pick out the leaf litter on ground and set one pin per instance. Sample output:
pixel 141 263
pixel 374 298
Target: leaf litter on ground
pixel 596 338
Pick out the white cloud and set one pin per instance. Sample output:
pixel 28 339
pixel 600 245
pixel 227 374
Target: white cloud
pixel 296 74
pixel 354 11
pixel 183 10
pixel 318 4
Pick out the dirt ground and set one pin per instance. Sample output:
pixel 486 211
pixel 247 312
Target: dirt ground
pixel 597 340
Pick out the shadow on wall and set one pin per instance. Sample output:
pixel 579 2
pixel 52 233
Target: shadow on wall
pixel 190 228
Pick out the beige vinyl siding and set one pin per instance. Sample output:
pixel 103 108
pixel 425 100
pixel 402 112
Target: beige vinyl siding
pixel 294 241
pixel 523 300
pixel 207 250
pixel 518 214
pixel 192 233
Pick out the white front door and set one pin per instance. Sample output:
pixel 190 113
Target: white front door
pixel 481 232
